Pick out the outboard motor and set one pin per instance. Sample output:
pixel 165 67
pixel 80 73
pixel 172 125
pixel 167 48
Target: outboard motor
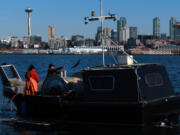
pixel 54 85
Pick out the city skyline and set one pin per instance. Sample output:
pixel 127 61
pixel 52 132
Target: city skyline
pixel 68 17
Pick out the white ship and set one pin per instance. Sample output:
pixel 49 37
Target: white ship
pixel 79 50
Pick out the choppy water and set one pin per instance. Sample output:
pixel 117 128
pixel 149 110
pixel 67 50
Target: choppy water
pixel 10 124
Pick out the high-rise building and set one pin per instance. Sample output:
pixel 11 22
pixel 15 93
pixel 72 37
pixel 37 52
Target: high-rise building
pixel 57 43
pixel 114 35
pixel 52 43
pixel 120 24
pixel 156 27
pixel 26 41
pixel 51 32
pixel 177 31
pixel 107 32
pixel 107 36
pixel 61 42
pixel 133 32
pixel 163 36
pixel 124 34
pixel 14 42
pixel 98 34
pixel 172 22
pixel 52 36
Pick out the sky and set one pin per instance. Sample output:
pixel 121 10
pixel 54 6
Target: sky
pixel 68 16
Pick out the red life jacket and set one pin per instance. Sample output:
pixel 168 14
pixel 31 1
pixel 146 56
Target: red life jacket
pixel 31 82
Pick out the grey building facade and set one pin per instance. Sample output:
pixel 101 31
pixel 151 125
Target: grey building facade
pixel 36 39
pixel 120 24
pixel 133 32
pixel 75 38
pixel 57 43
pixel 89 42
pixel 51 32
pixel 114 35
pixel 26 40
pixel 98 34
pixel 156 27
pixel 172 22
pixel 132 43
pixel 14 42
pixel 107 35
pixel 78 40
pixel 163 36
pixel 107 32
pixel 124 34
pixel 177 31
pixel 61 42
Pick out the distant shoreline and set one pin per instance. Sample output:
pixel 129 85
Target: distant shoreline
pixel 85 54
pixel 43 54
pixel 53 52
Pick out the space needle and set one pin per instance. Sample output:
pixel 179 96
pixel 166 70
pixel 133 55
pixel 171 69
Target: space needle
pixel 29 11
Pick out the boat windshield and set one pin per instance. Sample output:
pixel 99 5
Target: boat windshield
pixel 154 82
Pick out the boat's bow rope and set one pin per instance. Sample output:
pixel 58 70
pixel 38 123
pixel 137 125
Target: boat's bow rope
pixel 11 101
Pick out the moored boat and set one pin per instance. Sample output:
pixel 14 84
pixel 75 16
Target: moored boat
pixel 134 95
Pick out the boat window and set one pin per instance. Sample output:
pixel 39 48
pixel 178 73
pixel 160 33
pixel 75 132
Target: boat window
pixel 101 82
pixel 154 79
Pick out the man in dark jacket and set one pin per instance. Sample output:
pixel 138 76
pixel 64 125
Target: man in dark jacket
pixel 53 71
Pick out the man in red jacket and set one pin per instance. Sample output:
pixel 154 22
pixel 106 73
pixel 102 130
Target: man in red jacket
pixel 32 80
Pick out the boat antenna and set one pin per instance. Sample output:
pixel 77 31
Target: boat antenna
pixel 102 41
pixel 101 18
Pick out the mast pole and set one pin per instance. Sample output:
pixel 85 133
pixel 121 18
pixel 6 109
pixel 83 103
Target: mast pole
pixel 101 18
pixel 102 42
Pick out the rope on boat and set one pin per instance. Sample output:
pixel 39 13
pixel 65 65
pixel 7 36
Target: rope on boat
pixel 124 52
pixel 11 101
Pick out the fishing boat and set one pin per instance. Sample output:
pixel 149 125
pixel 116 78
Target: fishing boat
pixel 124 94
pixel 130 95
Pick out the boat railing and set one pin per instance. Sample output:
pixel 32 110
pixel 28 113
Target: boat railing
pixel 11 80
pixel 9 74
pixel 63 74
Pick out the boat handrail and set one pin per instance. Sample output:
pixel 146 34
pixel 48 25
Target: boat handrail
pixel 5 76
pixel 124 52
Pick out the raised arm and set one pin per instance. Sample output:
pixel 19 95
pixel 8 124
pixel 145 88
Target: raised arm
pixel 59 68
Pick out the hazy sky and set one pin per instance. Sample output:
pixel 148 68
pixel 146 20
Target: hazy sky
pixel 68 15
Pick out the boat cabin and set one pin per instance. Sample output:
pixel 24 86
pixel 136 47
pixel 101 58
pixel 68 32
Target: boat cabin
pixel 142 82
